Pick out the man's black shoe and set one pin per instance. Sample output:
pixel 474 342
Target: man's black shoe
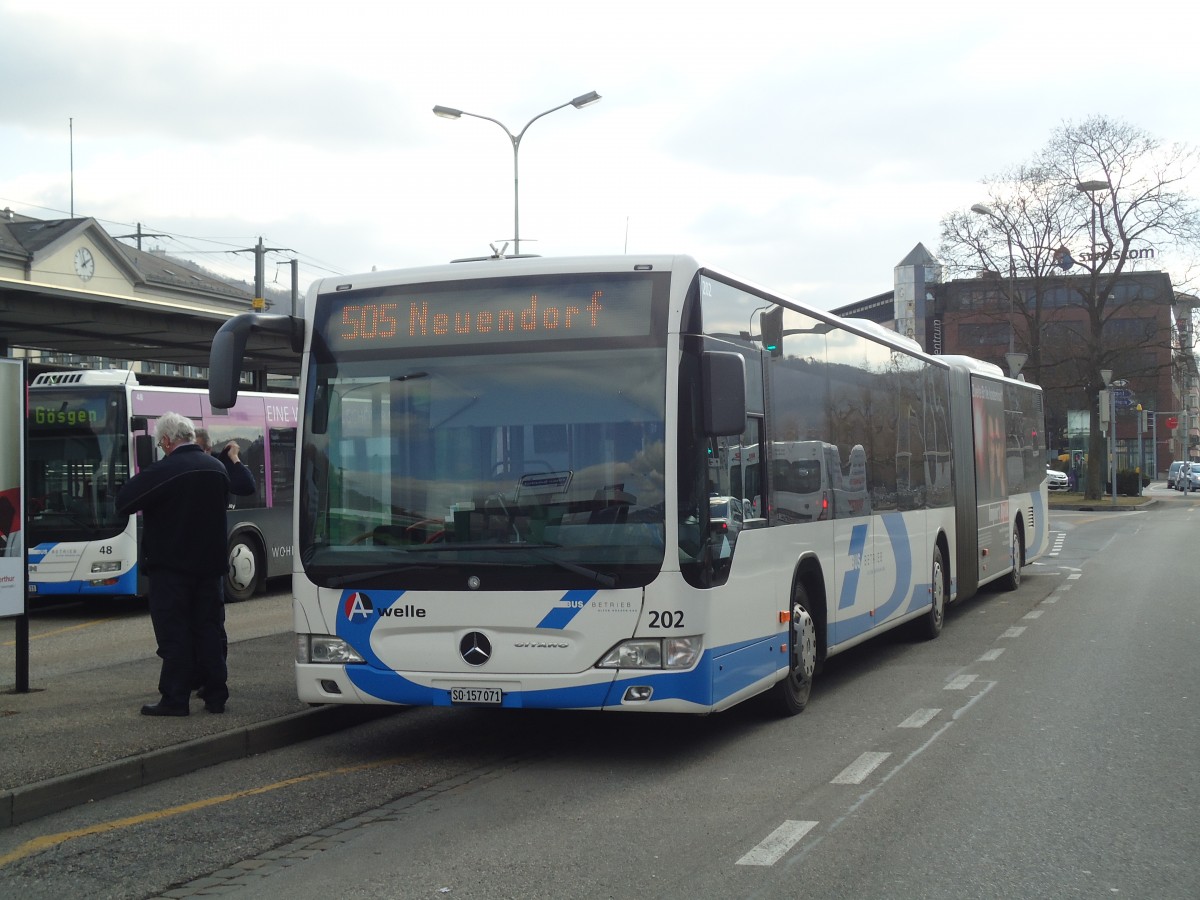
pixel 158 709
pixel 214 707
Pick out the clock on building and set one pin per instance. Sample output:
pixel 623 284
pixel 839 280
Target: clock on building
pixel 85 264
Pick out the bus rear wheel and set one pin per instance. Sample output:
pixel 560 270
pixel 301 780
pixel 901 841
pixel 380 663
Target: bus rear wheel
pixel 791 695
pixel 929 625
pixel 245 564
pixel 1012 580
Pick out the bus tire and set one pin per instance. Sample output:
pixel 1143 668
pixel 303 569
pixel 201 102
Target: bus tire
pixel 930 625
pixel 791 694
pixel 1012 580
pixel 245 568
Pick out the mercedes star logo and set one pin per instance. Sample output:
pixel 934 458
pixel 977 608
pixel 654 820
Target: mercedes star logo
pixel 475 648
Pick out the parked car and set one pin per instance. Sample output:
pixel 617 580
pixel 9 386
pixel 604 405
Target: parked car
pixel 1173 472
pixel 725 514
pixel 1056 480
pixel 1188 479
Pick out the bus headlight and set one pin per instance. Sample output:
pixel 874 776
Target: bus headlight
pixel 653 653
pixel 320 648
pixel 107 566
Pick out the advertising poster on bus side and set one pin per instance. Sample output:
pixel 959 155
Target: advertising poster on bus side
pixel 12 488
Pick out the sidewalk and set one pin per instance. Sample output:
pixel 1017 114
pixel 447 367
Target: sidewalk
pixel 81 737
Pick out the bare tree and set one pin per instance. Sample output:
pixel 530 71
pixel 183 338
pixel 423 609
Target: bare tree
pixel 1115 188
pixel 1016 233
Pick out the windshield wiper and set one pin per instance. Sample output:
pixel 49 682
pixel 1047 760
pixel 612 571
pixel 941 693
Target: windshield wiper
pixel 599 577
pixel 73 518
pixel 342 580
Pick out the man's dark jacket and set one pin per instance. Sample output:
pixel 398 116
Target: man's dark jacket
pixel 182 500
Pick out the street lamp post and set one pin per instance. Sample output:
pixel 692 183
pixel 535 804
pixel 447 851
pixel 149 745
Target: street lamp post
pixel 447 112
pixel 1107 374
pixel 1015 360
pixel 1090 188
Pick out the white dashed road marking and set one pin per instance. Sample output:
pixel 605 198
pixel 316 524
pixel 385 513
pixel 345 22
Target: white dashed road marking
pixel 919 719
pixel 777 843
pixel 780 841
pixel 858 770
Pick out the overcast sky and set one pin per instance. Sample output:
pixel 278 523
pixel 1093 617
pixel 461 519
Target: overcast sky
pixel 804 146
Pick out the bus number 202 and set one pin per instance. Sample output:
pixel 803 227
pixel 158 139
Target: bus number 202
pixel 666 618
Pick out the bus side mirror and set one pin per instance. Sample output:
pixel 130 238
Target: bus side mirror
pixel 143 451
pixel 229 348
pixel 723 383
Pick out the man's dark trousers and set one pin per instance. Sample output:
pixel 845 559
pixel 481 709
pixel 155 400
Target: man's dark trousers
pixel 189 625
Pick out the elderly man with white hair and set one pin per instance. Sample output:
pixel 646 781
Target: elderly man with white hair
pixel 182 498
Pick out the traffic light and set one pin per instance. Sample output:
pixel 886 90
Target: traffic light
pixel 1105 408
pixel 771 323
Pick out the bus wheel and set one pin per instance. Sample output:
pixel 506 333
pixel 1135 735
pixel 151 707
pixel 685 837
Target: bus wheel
pixel 1012 580
pixel 930 624
pixel 244 566
pixel 791 694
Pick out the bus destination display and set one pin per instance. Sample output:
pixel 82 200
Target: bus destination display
pixel 504 311
pixel 85 414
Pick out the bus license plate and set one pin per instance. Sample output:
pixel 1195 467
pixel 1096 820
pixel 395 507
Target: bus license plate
pixel 484 696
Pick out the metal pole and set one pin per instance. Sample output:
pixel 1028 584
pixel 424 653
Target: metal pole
pixel 1112 424
pixel 295 284
pixel 21 637
pixel 260 277
pixel 1093 260
pixel 1112 443
pixel 1141 448
pixel 1012 280
pixel 516 142
pixel 1154 444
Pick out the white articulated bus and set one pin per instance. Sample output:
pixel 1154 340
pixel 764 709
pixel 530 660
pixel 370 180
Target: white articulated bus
pixel 509 469
pixel 88 430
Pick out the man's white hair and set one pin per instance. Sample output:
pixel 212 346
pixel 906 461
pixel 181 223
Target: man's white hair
pixel 175 428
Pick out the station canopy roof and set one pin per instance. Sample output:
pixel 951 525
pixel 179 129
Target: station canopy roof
pixel 63 321
pixel 132 305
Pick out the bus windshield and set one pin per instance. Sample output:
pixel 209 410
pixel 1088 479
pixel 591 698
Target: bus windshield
pixel 78 458
pixel 485 471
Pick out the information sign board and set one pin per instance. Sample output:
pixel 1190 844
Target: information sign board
pixel 12 487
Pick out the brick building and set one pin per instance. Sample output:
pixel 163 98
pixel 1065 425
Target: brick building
pixel 1149 337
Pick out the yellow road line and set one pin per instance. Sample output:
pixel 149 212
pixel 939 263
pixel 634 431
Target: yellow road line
pixel 53 840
